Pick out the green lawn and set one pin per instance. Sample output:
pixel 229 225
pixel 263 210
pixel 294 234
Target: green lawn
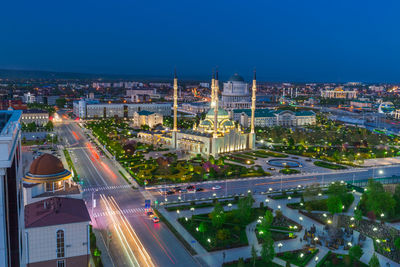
pixel 208 239
pixel 337 260
pixel 298 257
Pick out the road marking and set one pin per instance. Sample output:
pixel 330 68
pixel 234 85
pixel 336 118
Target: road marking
pixel 118 212
pixel 105 188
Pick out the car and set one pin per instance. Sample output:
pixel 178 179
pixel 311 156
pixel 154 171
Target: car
pixel 150 214
pixel 177 188
pixel 191 189
pixel 170 192
pixel 216 187
pixel 271 169
pixel 183 190
pixel 199 189
pixel 155 219
pixel 308 159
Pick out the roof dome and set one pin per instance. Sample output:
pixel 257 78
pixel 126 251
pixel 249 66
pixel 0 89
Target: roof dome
pixel 46 168
pixel 46 164
pixel 221 112
pixel 236 78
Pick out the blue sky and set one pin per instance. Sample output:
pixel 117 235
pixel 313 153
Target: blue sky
pixel 309 40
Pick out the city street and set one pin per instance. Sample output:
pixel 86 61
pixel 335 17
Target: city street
pixel 135 239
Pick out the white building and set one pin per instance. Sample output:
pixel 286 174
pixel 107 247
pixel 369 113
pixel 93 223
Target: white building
pixel 37 116
pixel 11 203
pixel 148 118
pixel 57 233
pixel 270 118
pixel 29 98
pixel 339 92
pixel 85 109
pixel 235 94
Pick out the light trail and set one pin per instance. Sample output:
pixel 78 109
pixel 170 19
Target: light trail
pixel 145 256
pixel 76 135
pixel 118 230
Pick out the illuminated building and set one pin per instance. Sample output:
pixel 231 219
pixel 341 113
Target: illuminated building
pixel 214 135
pixel 338 92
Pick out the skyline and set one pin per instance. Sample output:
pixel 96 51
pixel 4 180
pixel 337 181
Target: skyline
pixel 299 42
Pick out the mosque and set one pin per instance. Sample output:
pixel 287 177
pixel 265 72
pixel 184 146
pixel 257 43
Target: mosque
pixel 214 135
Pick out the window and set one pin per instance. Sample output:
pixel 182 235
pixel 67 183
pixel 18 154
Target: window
pixel 60 244
pixel 61 263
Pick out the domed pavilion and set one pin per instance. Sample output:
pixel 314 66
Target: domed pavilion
pixel 48 170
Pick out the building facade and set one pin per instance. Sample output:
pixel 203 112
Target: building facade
pixel 148 118
pixel 271 118
pixel 57 233
pixel 339 92
pixel 37 116
pixel 235 93
pixel 85 109
pixel 11 203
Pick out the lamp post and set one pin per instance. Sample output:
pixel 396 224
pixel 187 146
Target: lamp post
pixel 93 201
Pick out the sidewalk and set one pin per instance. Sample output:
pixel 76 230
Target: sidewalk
pixel 105 255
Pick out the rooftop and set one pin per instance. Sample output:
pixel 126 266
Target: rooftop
pixel 55 211
pixel 28 111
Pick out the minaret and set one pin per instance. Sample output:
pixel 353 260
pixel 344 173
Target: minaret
pixel 252 136
pixel 216 89
pixel 212 91
pixel 175 129
pixel 214 145
pixel 175 102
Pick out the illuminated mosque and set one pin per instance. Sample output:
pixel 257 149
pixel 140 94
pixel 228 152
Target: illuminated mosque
pixel 214 135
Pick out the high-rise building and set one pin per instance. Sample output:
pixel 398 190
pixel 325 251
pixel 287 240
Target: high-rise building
pixel 11 203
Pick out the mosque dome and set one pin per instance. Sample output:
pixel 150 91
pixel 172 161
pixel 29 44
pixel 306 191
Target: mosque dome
pixel 236 78
pixel 46 168
pixel 221 112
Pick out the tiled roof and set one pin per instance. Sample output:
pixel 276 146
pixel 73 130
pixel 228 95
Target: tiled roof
pixel 55 211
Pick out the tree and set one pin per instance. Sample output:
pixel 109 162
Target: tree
pixel 244 207
pixel 311 192
pixel 203 227
pixel 287 264
pixel 358 215
pixel 218 216
pixel 355 252
pixel 374 261
pixel 61 102
pixel 397 243
pixel 267 249
pixel 334 204
pixel 49 126
pixel 376 199
pixel 241 263
pixel 253 255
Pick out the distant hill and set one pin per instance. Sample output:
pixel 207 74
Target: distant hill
pixel 52 75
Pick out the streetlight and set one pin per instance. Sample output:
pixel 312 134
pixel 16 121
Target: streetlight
pixel 279 246
pixel 93 200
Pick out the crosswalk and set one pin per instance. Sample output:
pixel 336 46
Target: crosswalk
pixel 105 188
pixel 138 211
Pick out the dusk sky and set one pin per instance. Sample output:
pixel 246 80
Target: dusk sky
pixel 313 40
